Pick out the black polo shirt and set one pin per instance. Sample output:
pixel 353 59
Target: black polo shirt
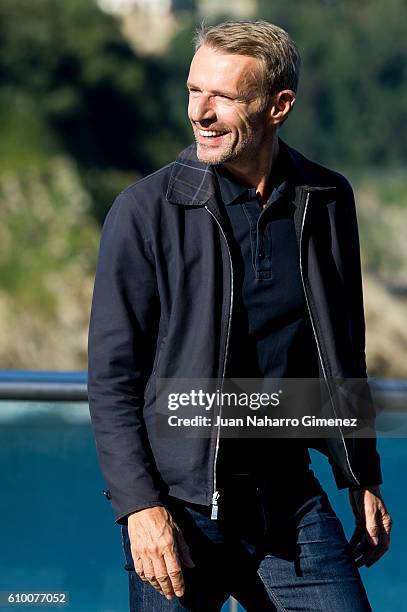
pixel 271 335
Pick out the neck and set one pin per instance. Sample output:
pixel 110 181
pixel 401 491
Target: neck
pixel 255 172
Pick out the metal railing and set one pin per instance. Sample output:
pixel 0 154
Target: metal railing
pixel 389 394
pixel 40 385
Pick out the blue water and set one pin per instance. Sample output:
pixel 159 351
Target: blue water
pixel 57 530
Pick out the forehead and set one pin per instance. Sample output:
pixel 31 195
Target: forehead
pixel 212 69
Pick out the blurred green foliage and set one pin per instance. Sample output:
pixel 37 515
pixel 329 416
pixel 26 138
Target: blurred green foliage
pixel 352 102
pixel 83 115
pixel 45 233
pixel 72 84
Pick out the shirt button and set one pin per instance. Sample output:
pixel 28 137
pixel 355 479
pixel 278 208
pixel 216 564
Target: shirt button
pixel 107 494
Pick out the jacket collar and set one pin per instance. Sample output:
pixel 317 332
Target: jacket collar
pixel 193 183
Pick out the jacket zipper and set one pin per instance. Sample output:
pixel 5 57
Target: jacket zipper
pixel 215 495
pixel 316 336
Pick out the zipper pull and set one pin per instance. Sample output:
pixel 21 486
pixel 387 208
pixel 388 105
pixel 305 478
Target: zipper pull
pixel 215 497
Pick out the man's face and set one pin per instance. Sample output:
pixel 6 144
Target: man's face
pixel 224 98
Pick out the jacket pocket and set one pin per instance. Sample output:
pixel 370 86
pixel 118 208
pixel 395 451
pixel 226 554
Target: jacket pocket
pixel 155 366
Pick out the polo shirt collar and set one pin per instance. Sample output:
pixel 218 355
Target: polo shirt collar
pixel 232 190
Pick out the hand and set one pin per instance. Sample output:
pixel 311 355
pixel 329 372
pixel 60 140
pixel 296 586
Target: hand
pixel 158 547
pixel 371 537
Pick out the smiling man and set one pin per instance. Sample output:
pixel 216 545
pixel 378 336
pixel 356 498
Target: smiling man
pixel 219 265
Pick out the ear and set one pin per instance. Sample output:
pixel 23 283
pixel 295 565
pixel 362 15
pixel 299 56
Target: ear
pixel 281 105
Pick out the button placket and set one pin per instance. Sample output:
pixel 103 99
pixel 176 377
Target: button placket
pixel 247 209
pixel 264 245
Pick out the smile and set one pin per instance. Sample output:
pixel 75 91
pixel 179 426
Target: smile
pixel 208 133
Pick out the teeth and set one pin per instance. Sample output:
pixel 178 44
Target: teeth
pixel 210 133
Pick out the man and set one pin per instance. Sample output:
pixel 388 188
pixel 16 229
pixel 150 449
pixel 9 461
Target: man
pixel 241 258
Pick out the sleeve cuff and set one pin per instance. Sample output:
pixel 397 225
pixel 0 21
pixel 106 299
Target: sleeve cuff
pixel 121 519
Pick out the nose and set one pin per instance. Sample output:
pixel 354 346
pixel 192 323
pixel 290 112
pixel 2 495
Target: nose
pixel 201 110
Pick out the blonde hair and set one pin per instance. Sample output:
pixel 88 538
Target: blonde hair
pixel 279 56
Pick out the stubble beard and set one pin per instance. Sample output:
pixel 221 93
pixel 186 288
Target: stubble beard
pixel 246 148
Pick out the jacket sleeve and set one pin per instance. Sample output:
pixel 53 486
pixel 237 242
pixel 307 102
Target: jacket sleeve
pixel 122 333
pixel 366 459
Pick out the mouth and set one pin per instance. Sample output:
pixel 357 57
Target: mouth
pixel 210 137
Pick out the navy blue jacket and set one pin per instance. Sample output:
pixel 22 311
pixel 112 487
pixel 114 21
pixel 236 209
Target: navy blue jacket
pixel 163 304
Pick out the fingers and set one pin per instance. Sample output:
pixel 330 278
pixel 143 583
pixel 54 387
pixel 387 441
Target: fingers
pixel 372 526
pixel 364 546
pixel 175 574
pixel 356 539
pixel 378 527
pixel 372 553
pixel 183 550
pixel 149 573
pixel 359 547
pixel 377 538
pixel 362 552
pixel 155 540
pixel 139 568
pixel 378 552
pixel 169 580
pixel 371 540
pixel 163 572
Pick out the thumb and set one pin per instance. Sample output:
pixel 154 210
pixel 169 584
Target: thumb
pixel 183 550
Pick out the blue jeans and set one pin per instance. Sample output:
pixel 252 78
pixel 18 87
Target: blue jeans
pixel 273 547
